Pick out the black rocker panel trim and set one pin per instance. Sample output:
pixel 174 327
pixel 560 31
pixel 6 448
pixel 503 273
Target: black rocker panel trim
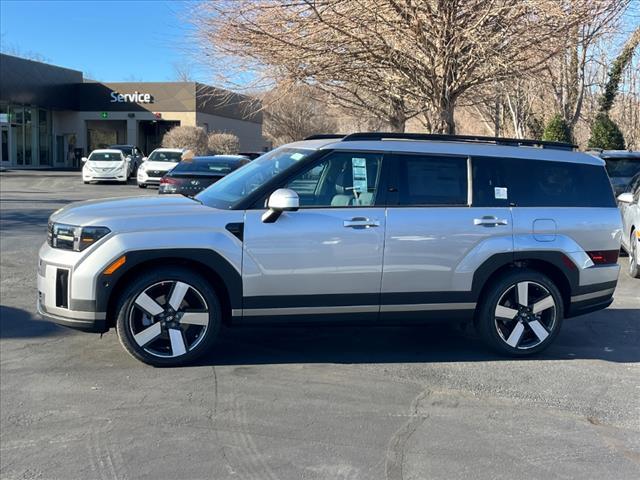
pixel 330 300
pixel 207 258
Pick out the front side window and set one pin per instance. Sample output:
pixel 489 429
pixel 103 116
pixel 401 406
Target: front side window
pixel 343 179
pixel 431 180
pixel 242 182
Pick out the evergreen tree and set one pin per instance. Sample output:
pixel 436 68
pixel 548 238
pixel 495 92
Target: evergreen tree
pixel 605 134
pixel 557 130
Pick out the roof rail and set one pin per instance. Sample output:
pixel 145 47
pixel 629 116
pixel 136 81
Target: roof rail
pixel 323 136
pixel 514 142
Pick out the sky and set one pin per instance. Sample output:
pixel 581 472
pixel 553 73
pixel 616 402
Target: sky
pixel 108 40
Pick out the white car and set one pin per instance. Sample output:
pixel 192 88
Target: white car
pixel 629 204
pixel 106 165
pixel 154 167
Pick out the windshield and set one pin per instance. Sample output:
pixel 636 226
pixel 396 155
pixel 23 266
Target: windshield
pixel 105 157
pixel 213 166
pixel 623 167
pixel 165 156
pixel 240 183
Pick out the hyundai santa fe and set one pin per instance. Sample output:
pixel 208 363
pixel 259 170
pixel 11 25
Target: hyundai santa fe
pixel 513 235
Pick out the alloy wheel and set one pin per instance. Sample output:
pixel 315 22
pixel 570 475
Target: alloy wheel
pixel 525 315
pixel 168 319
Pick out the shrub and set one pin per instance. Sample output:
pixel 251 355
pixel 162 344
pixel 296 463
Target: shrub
pixel 557 130
pixel 192 138
pixel 605 134
pixel 223 143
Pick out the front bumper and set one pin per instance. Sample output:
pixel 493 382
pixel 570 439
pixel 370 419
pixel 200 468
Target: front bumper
pixel 146 179
pixel 119 176
pixel 56 301
pixel 74 319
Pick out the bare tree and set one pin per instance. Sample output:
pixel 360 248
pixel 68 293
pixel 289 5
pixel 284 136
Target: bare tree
pixel 221 143
pixel 182 72
pixel 292 114
pixel 187 137
pixel 395 58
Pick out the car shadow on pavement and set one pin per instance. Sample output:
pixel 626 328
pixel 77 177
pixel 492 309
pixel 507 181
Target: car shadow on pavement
pixel 611 335
pixel 18 323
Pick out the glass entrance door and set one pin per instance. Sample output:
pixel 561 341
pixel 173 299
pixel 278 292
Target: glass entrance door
pixel 4 145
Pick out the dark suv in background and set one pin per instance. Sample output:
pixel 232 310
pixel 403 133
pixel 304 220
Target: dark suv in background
pixel 621 166
pixel 132 152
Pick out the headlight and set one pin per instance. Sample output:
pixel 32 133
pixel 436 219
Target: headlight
pixel 70 237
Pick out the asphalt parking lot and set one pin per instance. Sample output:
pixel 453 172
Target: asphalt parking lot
pixel 425 402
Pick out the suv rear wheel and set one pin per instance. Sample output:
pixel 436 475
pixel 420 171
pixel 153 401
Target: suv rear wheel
pixel 168 317
pixel 521 313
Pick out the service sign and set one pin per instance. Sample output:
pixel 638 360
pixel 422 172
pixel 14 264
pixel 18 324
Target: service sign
pixel 135 97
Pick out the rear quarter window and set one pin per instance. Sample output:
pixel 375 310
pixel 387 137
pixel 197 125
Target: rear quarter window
pixel 539 183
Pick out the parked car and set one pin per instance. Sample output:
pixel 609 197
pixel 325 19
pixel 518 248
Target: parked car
pixel 133 152
pixel 251 155
pixel 190 177
pixel 383 227
pixel 622 165
pixel 157 165
pixel 629 203
pixel 106 165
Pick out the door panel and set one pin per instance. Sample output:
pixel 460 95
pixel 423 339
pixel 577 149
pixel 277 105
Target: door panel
pixel 312 252
pixel 437 249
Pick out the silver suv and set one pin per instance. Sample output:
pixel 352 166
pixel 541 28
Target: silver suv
pixel 514 235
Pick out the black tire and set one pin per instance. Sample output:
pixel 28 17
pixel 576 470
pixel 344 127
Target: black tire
pixel 142 185
pixel 634 256
pixel 494 329
pixel 130 317
pixel 86 183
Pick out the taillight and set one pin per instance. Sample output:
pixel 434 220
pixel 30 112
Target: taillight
pixel 604 257
pixel 168 181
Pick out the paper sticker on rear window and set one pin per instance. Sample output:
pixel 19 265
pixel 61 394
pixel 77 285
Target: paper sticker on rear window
pixel 297 156
pixel 501 193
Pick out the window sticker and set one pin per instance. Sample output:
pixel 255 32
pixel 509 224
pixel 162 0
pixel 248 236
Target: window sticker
pixel 359 168
pixel 501 193
pixel 297 156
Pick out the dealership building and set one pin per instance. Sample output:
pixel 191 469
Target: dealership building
pixel 50 117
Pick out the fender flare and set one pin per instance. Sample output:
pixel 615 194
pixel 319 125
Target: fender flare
pixel 213 265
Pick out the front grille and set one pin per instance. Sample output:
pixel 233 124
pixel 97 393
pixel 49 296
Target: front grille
pixel 62 288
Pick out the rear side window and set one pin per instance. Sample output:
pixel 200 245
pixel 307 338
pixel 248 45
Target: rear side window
pixel 503 182
pixel 431 180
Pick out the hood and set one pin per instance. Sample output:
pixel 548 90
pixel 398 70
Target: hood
pixel 163 166
pixel 128 213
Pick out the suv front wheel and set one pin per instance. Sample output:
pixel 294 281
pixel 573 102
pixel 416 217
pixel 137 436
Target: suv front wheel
pixel 168 317
pixel 521 313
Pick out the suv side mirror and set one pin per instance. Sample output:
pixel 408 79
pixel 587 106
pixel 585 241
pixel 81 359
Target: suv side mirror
pixel 144 159
pixel 625 197
pixel 84 159
pixel 282 200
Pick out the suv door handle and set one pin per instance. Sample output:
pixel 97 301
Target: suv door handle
pixel 360 222
pixel 490 221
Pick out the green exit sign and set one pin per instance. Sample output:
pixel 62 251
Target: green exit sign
pixel 104 115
